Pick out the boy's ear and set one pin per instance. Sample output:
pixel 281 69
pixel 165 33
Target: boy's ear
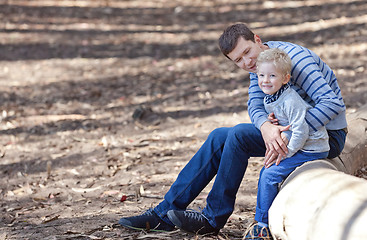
pixel 286 79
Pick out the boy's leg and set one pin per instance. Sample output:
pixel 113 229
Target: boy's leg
pixel 272 176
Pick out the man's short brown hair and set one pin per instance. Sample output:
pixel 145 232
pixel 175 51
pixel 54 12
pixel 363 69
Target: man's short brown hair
pixel 229 38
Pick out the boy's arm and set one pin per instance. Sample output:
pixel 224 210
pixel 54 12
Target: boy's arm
pixel 276 147
pixel 295 109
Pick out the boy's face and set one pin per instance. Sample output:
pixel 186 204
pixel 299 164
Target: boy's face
pixel 245 53
pixel 270 79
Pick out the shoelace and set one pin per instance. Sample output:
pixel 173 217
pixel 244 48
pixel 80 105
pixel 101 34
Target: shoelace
pixel 195 215
pixel 148 212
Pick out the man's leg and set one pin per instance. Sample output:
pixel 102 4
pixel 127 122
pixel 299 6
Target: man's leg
pixel 192 179
pixel 336 142
pixel 196 175
pixel 242 142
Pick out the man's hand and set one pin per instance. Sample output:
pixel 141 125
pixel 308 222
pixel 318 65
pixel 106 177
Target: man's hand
pixel 276 144
pixel 277 160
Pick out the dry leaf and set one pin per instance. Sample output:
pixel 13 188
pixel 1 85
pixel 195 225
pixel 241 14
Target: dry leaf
pixel 47 219
pixel 48 169
pixel 74 171
pixel 3 236
pixel 109 193
pixel 85 190
pixel 23 190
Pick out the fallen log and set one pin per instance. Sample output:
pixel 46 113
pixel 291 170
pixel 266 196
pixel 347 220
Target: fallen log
pixel 322 199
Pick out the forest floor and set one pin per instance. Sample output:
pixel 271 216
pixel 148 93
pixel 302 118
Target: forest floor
pixel 106 100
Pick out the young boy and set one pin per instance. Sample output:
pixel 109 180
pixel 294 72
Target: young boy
pixel 274 72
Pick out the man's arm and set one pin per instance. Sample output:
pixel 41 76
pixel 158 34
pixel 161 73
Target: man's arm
pixel 317 80
pixel 275 142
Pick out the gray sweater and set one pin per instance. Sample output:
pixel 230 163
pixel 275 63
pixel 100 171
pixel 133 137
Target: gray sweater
pixel 290 109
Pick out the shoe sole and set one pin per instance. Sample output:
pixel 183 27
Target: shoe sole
pixel 173 218
pixel 145 229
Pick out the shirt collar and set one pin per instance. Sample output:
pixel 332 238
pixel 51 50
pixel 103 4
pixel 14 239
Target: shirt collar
pixel 273 97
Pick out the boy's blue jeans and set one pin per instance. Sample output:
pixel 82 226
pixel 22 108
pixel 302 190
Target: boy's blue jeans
pixel 225 154
pixel 270 177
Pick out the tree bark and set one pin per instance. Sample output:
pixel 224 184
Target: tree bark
pixel 321 199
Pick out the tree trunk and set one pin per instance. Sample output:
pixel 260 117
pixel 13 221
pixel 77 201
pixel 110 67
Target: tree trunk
pixel 321 199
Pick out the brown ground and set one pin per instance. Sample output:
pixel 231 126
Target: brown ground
pixel 73 73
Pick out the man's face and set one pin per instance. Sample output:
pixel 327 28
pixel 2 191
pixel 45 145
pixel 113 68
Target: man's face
pixel 245 53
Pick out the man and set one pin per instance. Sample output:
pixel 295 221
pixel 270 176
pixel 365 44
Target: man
pixel 226 151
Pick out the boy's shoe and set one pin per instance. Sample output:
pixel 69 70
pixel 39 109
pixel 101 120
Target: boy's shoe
pixel 148 221
pixel 258 232
pixel 191 221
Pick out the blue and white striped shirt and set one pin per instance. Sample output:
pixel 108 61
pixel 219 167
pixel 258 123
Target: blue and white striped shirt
pixel 314 81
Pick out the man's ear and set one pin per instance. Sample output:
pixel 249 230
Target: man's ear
pixel 257 39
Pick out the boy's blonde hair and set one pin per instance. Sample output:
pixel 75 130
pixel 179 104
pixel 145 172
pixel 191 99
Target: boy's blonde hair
pixel 278 57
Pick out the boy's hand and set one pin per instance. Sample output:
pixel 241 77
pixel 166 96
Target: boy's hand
pixel 276 147
pixel 272 119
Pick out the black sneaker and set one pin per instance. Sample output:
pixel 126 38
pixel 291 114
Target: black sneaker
pixel 191 221
pixel 148 221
